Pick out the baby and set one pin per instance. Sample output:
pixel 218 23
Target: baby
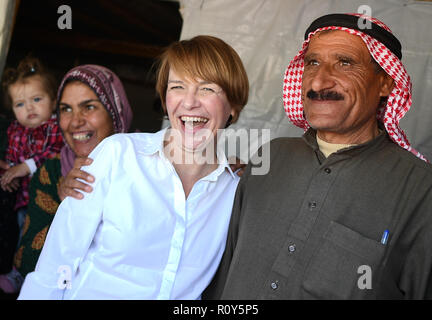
pixel 34 136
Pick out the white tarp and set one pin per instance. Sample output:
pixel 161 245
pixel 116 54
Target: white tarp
pixel 267 34
pixel 7 8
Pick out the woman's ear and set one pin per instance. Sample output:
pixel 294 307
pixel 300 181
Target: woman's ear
pixel 234 114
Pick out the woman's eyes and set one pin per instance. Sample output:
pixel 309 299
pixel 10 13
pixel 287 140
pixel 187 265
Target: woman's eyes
pixel 65 109
pixel 207 89
pixel 176 87
pixel 202 90
pixel 87 107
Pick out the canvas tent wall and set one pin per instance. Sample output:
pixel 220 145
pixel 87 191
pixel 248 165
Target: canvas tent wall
pixel 268 34
pixel 7 14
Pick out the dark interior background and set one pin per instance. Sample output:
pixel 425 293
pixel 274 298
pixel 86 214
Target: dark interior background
pixel 125 36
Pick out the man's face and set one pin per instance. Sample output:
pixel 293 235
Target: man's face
pixel 341 88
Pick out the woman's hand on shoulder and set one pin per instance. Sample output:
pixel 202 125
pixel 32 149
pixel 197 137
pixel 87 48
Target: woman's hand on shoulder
pixel 237 165
pixel 70 184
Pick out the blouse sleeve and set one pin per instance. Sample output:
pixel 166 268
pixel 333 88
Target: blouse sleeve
pixel 71 233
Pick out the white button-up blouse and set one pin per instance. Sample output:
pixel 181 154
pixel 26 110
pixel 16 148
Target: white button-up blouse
pixel 136 236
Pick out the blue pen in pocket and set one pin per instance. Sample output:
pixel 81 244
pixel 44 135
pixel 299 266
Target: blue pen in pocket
pixel 385 237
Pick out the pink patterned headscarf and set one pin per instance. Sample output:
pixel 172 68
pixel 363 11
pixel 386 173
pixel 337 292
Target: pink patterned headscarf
pixel 387 55
pixel 109 89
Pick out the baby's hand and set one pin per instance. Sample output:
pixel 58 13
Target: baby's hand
pixel 12 186
pixel 4 165
pixel 18 171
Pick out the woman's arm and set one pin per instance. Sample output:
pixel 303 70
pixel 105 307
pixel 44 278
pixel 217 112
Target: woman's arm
pixel 71 234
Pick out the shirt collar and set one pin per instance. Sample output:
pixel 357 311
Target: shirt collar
pixel 328 148
pixel 223 165
pixel 310 138
pixel 155 143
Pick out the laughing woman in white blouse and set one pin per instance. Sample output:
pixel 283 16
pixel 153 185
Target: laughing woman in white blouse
pixel 155 224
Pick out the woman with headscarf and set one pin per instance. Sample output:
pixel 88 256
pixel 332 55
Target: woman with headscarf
pixel 91 105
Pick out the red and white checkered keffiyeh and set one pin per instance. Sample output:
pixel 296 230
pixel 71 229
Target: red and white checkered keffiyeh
pixel 398 102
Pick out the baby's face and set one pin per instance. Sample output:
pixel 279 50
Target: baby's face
pixel 31 103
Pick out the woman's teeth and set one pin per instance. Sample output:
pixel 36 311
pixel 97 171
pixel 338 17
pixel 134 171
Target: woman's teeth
pixel 82 137
pixel 192 120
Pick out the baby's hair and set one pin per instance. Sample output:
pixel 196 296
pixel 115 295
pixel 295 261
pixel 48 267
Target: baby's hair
pixel 28 67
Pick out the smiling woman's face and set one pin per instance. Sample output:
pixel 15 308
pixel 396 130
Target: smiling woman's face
pixel 83 119
pixel 196 109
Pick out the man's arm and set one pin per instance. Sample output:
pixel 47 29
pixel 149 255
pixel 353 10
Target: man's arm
pixel 215 289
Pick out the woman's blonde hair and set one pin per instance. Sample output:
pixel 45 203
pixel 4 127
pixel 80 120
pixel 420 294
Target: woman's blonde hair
pixel 210 59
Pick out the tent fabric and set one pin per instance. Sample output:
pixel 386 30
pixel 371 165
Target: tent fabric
pixel 267 34
pixel 7 8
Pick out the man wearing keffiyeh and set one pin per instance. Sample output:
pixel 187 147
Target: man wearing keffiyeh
pixel 347 208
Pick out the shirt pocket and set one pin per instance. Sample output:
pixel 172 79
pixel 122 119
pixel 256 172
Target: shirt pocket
pixel 333 271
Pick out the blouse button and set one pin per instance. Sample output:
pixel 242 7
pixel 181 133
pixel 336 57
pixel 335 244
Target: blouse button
pixel 274 285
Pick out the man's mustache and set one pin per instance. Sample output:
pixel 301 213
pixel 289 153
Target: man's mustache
pixel 324 95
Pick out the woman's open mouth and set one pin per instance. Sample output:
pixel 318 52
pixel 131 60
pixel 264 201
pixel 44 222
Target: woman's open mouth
pixel 82 136
pixel 193 121
pixel 193 124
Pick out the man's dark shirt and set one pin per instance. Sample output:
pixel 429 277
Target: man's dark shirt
pixel 312 227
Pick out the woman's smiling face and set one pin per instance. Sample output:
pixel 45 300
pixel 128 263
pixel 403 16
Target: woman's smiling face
pixel 196 109
pixel 84 120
